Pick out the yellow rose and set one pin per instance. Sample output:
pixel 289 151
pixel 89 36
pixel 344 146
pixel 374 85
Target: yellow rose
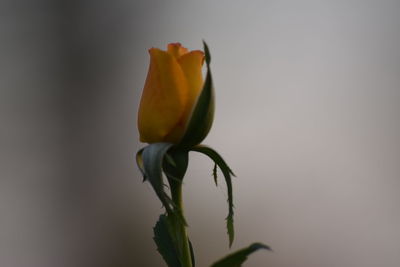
pixel 173 84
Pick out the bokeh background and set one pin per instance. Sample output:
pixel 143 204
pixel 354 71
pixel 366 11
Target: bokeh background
pixel 308 105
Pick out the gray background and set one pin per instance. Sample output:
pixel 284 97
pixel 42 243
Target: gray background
pixel 307 116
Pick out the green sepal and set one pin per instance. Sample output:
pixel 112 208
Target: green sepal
pixel 165 242
pixel 153 158
pixel 237 258
pixel 140 164
pixel 215 175
pixel 227 172
pixel 175 164
pixel 192 254
pixel 203 113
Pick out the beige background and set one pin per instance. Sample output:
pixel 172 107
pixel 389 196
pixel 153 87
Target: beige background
pixel 307 116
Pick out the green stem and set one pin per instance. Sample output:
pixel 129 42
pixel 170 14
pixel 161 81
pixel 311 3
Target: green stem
pixel 176 192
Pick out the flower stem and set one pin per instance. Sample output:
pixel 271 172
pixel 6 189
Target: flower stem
pixel 183 240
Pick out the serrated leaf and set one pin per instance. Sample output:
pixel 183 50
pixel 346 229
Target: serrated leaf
pixel 203 113
pixel 237 258
pixel 227 172
pixel 176 232
pixel 153 157
pixel 165 243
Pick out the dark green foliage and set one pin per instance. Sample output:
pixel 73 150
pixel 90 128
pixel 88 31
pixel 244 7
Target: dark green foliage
pixel 237 258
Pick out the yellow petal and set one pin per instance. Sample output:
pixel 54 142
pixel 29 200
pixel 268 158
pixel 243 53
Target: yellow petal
pixel 177 50
pixel 191 64
pixel 164 99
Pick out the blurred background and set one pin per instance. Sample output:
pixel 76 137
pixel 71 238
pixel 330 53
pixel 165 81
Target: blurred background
pixel 308 100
